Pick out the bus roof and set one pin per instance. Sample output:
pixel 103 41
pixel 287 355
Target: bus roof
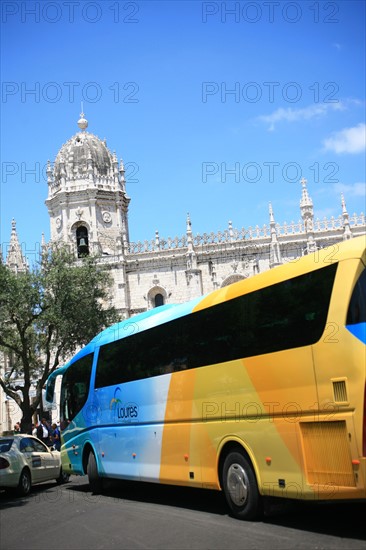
pixel 354 248
pixel 138 323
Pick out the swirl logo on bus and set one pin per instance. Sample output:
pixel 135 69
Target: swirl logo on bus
pixel 122 411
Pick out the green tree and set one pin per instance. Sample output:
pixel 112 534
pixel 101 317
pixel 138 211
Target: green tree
pixel 45 315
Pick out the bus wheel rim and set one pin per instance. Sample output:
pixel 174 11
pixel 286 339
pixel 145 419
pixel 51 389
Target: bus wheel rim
pixel 237 484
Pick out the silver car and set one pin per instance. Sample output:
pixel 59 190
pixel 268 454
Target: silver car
pixel 25 460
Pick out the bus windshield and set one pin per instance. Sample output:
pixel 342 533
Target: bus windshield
pixel 75 389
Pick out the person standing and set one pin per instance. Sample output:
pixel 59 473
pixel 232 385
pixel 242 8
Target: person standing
pixel 56 437
pixel 42 431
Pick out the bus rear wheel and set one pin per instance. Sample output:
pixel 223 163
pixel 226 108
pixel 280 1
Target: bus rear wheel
pixel 95 481
pixel 240 487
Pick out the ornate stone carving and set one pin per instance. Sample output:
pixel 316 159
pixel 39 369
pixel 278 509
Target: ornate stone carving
pixel 79 213
pixel 106 216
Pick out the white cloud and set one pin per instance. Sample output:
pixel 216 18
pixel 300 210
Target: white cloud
pixel 351 190
pixel 348 140
pixel 320 214
pixel 306 113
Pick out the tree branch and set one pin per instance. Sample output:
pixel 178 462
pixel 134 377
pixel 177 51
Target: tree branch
pixel 11 393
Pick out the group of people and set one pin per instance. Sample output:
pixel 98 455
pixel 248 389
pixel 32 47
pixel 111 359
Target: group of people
pixel 48 433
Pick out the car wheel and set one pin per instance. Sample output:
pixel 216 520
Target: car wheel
pixel 25 483
pixel 95 481
pixel 63 477
pixel 240 487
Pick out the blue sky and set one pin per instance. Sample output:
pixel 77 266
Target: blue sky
pixel 217 108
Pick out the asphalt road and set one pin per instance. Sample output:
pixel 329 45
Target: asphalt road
pixel 134 516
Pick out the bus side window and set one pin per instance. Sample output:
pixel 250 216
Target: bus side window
pixel 357 307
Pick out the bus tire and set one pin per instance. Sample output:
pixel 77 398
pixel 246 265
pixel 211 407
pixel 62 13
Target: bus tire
pixel 95 481
pixel 240 487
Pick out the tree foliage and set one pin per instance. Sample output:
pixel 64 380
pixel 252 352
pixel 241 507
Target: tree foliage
pixel 45 315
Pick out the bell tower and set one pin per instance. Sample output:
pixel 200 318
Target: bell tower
pixel 87 200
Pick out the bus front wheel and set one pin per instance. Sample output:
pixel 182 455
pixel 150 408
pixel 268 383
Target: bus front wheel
pixel 240 487
pixel 95 481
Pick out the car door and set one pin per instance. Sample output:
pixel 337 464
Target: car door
pixel 33 459
pixel 54 458
pixel 50 464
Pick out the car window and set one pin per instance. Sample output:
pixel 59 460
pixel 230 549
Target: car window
pixel 26 445
pixel 39 447
pixel 5 445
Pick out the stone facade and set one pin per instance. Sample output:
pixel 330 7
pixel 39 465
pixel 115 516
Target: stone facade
pixel 88 207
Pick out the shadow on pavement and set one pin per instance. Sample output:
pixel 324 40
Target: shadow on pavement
pixel 339 519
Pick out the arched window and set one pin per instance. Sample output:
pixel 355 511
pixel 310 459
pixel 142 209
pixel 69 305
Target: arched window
pixel 82 241
pixel 157 296
pixel 158 300
pixel 234 278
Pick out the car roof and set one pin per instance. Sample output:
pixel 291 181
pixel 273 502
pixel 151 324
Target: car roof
pixel 17 436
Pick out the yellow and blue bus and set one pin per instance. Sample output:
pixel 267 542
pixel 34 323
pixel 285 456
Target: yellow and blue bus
pixel 256 389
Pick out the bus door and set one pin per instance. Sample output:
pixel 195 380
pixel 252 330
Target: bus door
pixel 334 440
pixel 339 356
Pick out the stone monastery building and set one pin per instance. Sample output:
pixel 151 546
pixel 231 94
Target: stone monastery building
pixel 88 207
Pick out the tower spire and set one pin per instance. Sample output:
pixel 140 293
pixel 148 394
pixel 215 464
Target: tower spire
pixel 82 122
pixel 305 203
pixel 307 214
pixel 191 254
pixel 15 260
pixel 193 272
pixel 274 247
pixel 347 233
